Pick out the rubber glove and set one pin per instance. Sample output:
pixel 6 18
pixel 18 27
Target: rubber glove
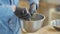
pixel 22 13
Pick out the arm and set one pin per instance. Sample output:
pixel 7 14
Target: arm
pixel 34 1
pixel 34 5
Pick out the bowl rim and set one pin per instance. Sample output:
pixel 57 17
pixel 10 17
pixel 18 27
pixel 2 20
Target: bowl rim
pixel 37 20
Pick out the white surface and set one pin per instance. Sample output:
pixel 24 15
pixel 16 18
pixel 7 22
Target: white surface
pixel 55 23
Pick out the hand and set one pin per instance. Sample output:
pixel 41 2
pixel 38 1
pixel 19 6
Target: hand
pixel 22 13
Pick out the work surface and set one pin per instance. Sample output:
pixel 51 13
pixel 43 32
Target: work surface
pixel 45 30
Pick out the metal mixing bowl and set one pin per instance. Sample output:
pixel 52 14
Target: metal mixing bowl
pixel 35 23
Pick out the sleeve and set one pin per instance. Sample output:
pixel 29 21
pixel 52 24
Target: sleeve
pixel 34 1
pixel 34 5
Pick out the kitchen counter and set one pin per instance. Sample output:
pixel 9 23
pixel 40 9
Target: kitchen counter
pixel 45 30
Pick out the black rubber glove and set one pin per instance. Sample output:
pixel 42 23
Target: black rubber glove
pixel 22 13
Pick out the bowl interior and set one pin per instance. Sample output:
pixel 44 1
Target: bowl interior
pixel 37 17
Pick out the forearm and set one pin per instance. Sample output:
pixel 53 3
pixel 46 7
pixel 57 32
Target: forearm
pixel 34 1
pixel 34 5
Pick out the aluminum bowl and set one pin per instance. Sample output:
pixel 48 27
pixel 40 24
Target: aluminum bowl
pixel 35 23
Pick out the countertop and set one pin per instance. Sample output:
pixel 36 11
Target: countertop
pixel 45 30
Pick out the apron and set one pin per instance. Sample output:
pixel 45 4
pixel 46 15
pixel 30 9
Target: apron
pixel 9 22
pixel 9 2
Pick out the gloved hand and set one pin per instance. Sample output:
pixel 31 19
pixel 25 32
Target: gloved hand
pixel 33 8
pixel 22 13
